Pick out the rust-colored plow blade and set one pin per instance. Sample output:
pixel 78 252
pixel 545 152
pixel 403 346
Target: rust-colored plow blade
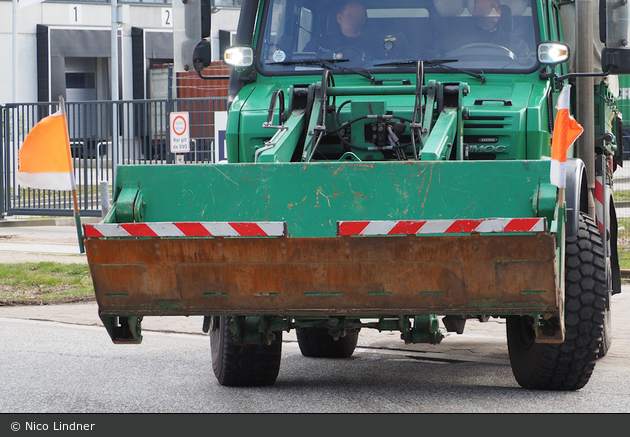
pixel 464 274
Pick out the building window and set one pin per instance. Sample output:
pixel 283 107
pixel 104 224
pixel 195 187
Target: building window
pixel 80 80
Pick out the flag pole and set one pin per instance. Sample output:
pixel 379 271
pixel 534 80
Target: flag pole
pixel 77 215
pixel 77 221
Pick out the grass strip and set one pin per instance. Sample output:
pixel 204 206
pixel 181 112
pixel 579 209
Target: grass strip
pixel 44 283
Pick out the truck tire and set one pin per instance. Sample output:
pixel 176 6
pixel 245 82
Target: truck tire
pixel 243 366
pixel 316 342
pixel 569 365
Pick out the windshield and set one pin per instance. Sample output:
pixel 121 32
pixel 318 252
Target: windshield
pixel 472 34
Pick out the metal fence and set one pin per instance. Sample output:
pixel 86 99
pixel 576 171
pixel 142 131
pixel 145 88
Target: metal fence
pixel 142 138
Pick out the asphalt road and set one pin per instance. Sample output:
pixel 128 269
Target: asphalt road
pixel 59 359
pixel 49 367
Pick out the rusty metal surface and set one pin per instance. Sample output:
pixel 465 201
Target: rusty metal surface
pixel 472 274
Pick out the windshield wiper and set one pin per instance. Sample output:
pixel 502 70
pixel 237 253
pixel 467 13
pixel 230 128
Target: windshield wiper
pixel 328 64
pixel 415 61
pixel 441 63
pixel 479 75
pixel 318 61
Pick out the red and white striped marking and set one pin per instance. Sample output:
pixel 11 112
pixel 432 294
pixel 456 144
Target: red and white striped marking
pixel 599 202
pixel 463 226
pixel 186 229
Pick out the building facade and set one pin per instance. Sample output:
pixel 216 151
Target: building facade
pixel 64 47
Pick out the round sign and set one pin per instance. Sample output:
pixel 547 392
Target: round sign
pixel 179 125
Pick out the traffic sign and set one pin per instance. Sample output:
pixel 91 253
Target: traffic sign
pixel 180 132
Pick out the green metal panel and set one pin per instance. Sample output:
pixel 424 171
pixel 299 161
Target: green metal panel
pixel 624 98
pixel 543 20
pixel 437 147
pixel 233 122
pixel 312 197
pixel 509 123
pixel 125 202
pixel 537 114
pixel 498 110
pixel 288 137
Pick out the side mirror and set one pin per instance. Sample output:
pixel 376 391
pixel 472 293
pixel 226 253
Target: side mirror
pixel 191 20
pixel 206 12
pixel 202 55
pixel 616 61
pixel 616 55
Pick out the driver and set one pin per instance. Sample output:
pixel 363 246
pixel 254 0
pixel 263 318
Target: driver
pixel 487 14
pixel 349 41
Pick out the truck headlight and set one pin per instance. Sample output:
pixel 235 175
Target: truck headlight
pixel 239 56
pixel 553 53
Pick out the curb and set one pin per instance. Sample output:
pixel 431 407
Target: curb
pixel 64 221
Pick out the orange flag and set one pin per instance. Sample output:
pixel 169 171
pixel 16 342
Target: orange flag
pixel 44 159
pixel 565 132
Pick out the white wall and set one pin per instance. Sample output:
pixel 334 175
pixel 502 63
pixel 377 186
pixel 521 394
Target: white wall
pixel 27 70
pixel 77 15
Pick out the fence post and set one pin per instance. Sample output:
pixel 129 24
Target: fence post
pixel 169 109
pixel 104 198
pixel 3 141
pixel 115 145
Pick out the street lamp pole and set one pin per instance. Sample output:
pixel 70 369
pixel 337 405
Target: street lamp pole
pixel 15 51
pixel 114 86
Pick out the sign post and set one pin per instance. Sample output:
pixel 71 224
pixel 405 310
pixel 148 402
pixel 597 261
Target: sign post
pixel 220 126
pixel 180 135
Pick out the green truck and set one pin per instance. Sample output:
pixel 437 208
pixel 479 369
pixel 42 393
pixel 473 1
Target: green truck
pixel 388 167
pixel 623 102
